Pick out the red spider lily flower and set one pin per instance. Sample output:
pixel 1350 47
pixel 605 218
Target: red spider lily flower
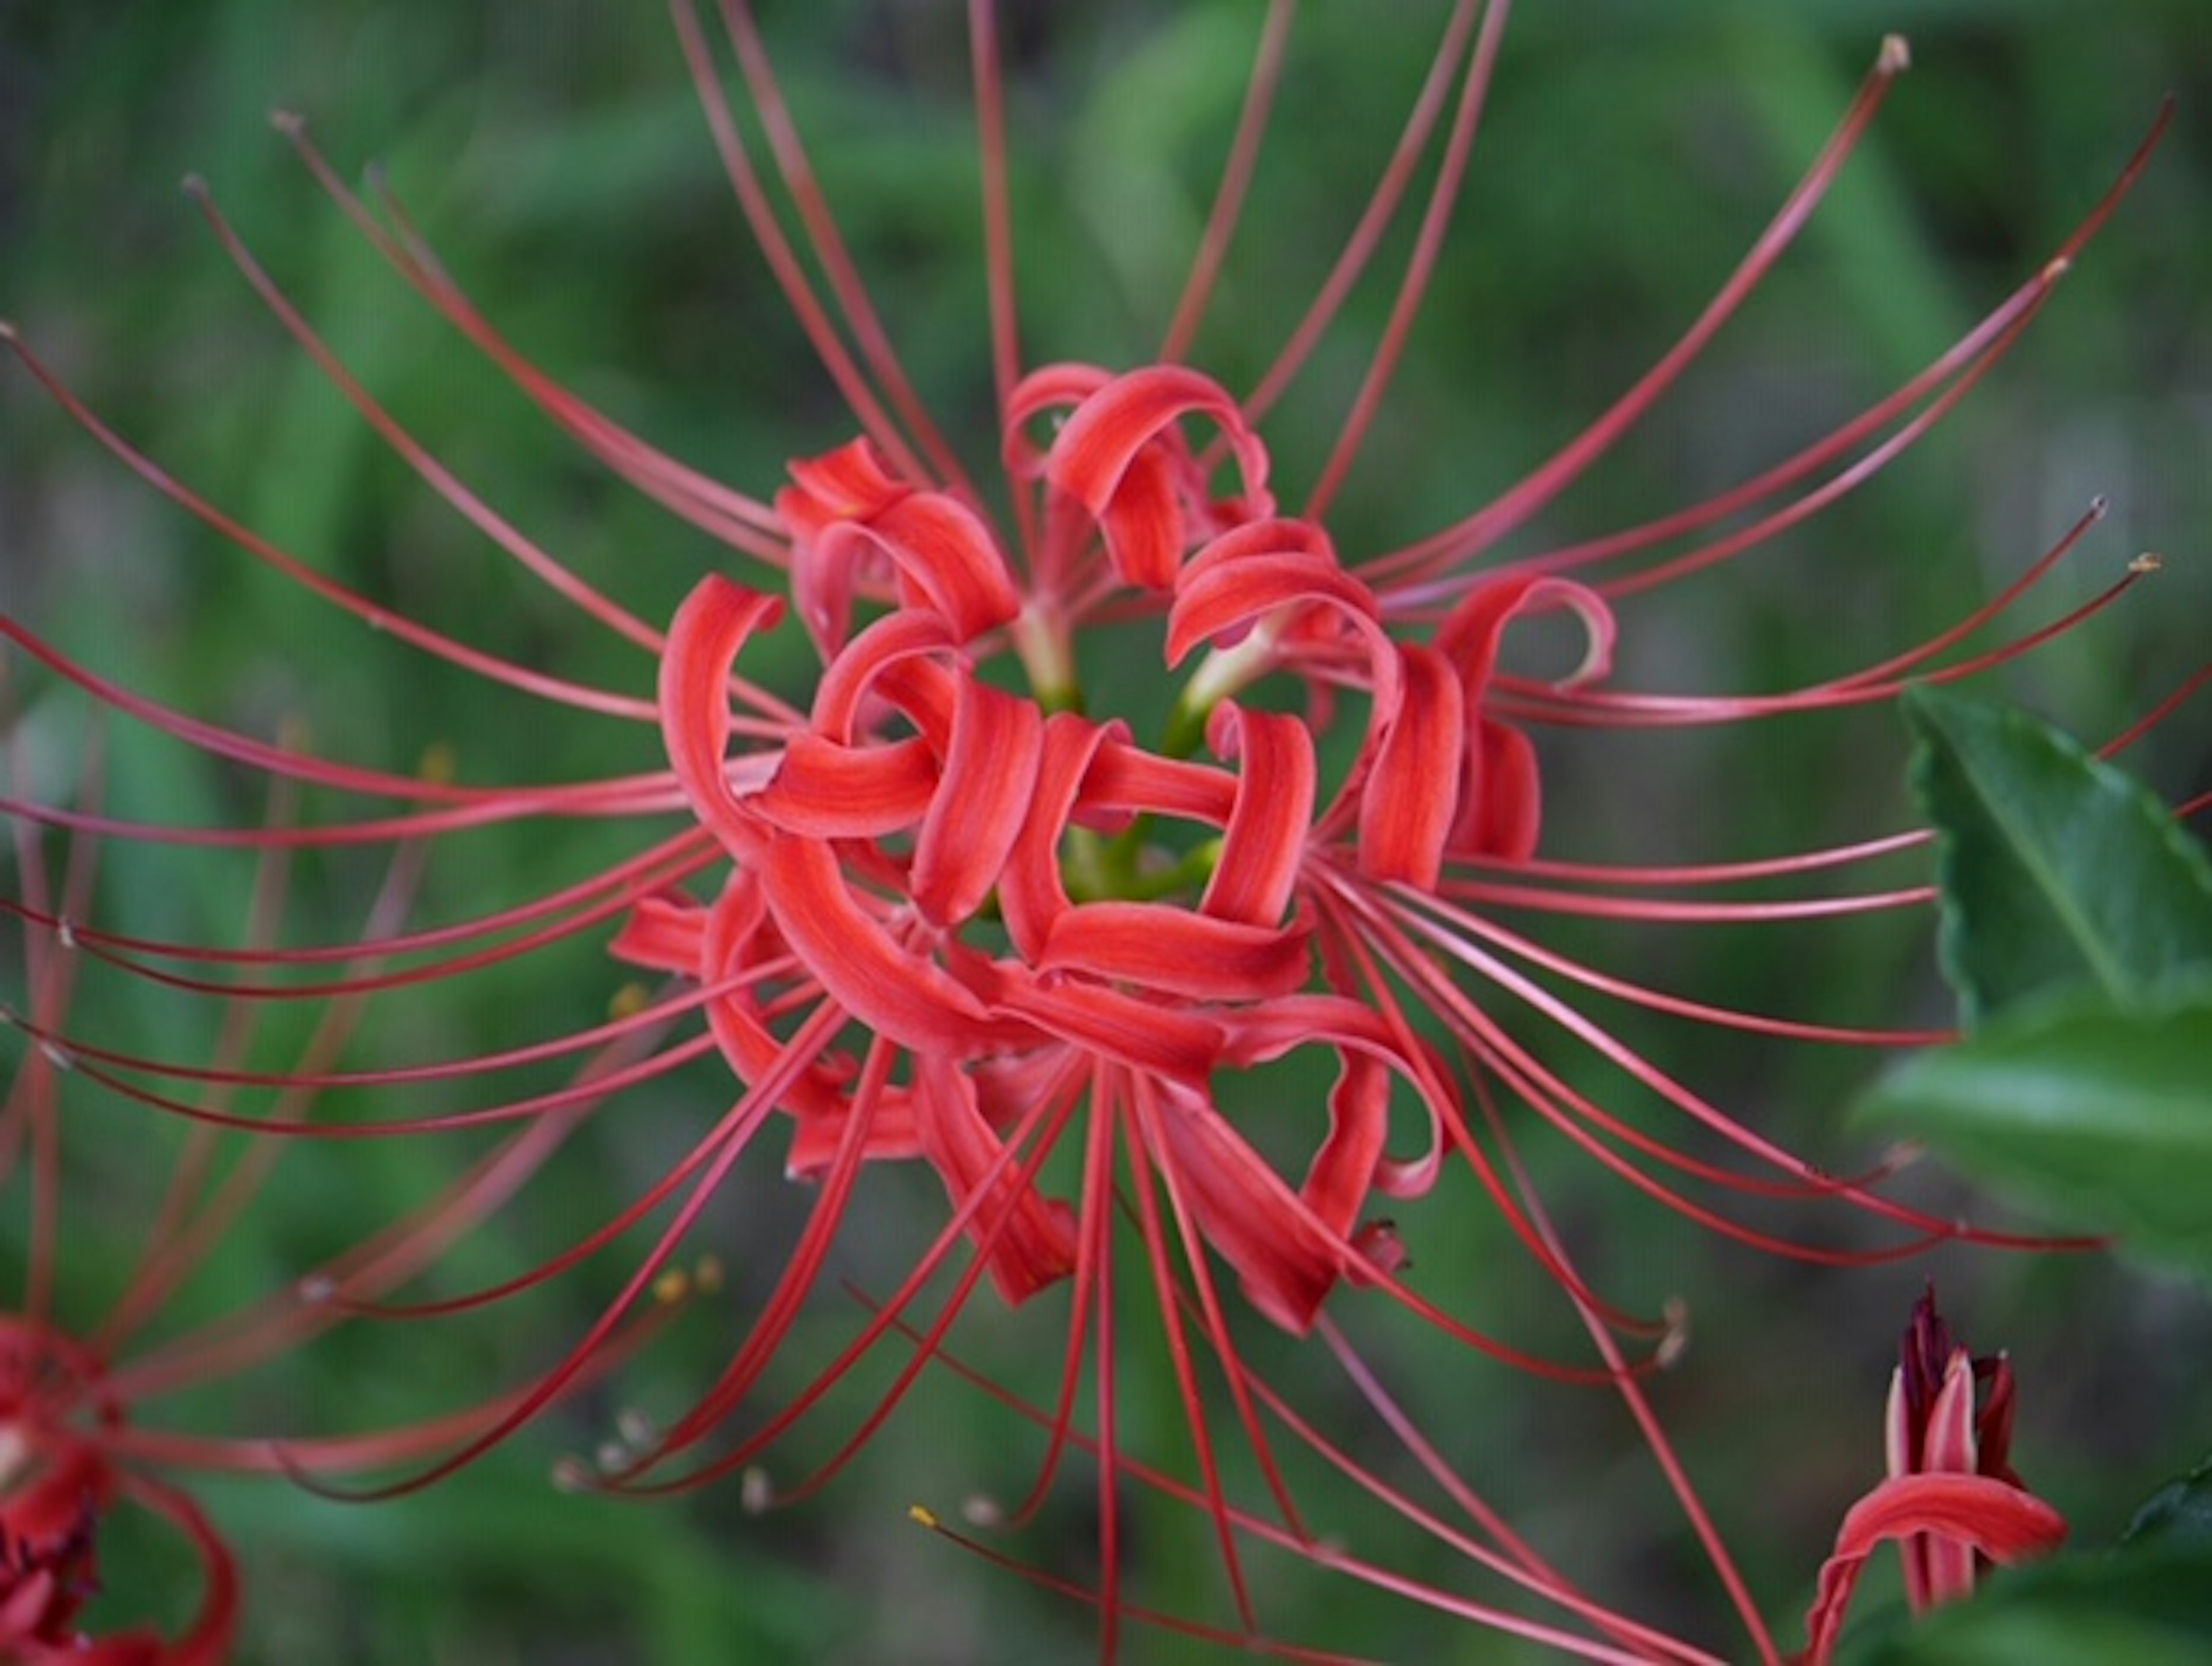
pixel 57 1484
pixel 1952 1500
pixel 76 1441
pixel 936 909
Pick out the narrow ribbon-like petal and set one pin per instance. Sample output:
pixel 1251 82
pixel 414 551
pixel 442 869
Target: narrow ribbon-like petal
pixel 1118 456
pixel 942 553
pixel 1248 574
pixel 738 936
pixel 1124 777
pixel 981 804
pixel 704 639
pixel 1979 1514
pixel 1175 951
pixel 662 934
pixel 823 790
pixel 1266 839
pixel 1411 793
pixel 1284 1263
pixel 1152 1040
pixel 903 996
pixel 1048 388
pixel 1037 1245
pixel 1501 797
pixel 1470 632
pixel 886 661
pixel 1031 893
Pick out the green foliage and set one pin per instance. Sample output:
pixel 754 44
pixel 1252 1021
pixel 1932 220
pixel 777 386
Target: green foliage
pixel 2101 1115
pixel 2077 930
pixel 2055 868
pixel 2176 1517
pixel 2149 1603
pixel 555 156
pixel 2148 1609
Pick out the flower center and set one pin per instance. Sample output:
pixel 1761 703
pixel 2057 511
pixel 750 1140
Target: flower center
pixel 1013 894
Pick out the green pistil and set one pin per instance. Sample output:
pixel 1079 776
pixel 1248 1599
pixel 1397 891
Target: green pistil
pixel 1041 643
pixel 1125 869
pixel 1185 728
pixel 1089 866
pixel 1220 674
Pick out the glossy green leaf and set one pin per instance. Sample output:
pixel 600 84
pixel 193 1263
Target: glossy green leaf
pixel 2054 868
pixel 2178 1516
pixel 2149 1608
pixel 2099 1115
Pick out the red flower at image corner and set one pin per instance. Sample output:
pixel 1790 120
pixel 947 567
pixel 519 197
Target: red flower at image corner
pixel 82 1428
pixel 938 910
pixel 1952 1500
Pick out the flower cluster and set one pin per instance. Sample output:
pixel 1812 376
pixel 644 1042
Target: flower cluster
pixel 1952 1500
pixel 938 908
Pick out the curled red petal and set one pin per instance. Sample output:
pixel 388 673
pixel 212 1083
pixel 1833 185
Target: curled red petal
pixel 982 802
pixel 1048 387
pixel 1175 951
pixel 825 790
pixel 821 582
pixel 738 937
pixel 1410 796
pixel 704 639
pixel 1150 1039
pixel 1343 1167
pixel 947 552
pixel 662 933
pixel 891 660
pixel 1262 1033
pixel 1037 1245
pixel 1265 838
pixel 1123 777
pixel 903 996
pixel 1031 893
pixel 1982 1515
pixel 852 482
pixel 1285 1264
pixel 943 554
pixel 1143 522
pixel 1118 455
pixel 1469 634
pixel 1252 571
pixel 1271 538
pixel 1501 795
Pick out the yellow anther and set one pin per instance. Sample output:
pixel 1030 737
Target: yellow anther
pixel 628 1001
pixel 707 1275
pixel 922 1515
pixel 2150 562
pixel 1896 55
pixel 439 764
pixel 671 1286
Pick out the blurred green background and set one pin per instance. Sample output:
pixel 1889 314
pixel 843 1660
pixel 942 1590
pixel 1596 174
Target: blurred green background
pixel 556 156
